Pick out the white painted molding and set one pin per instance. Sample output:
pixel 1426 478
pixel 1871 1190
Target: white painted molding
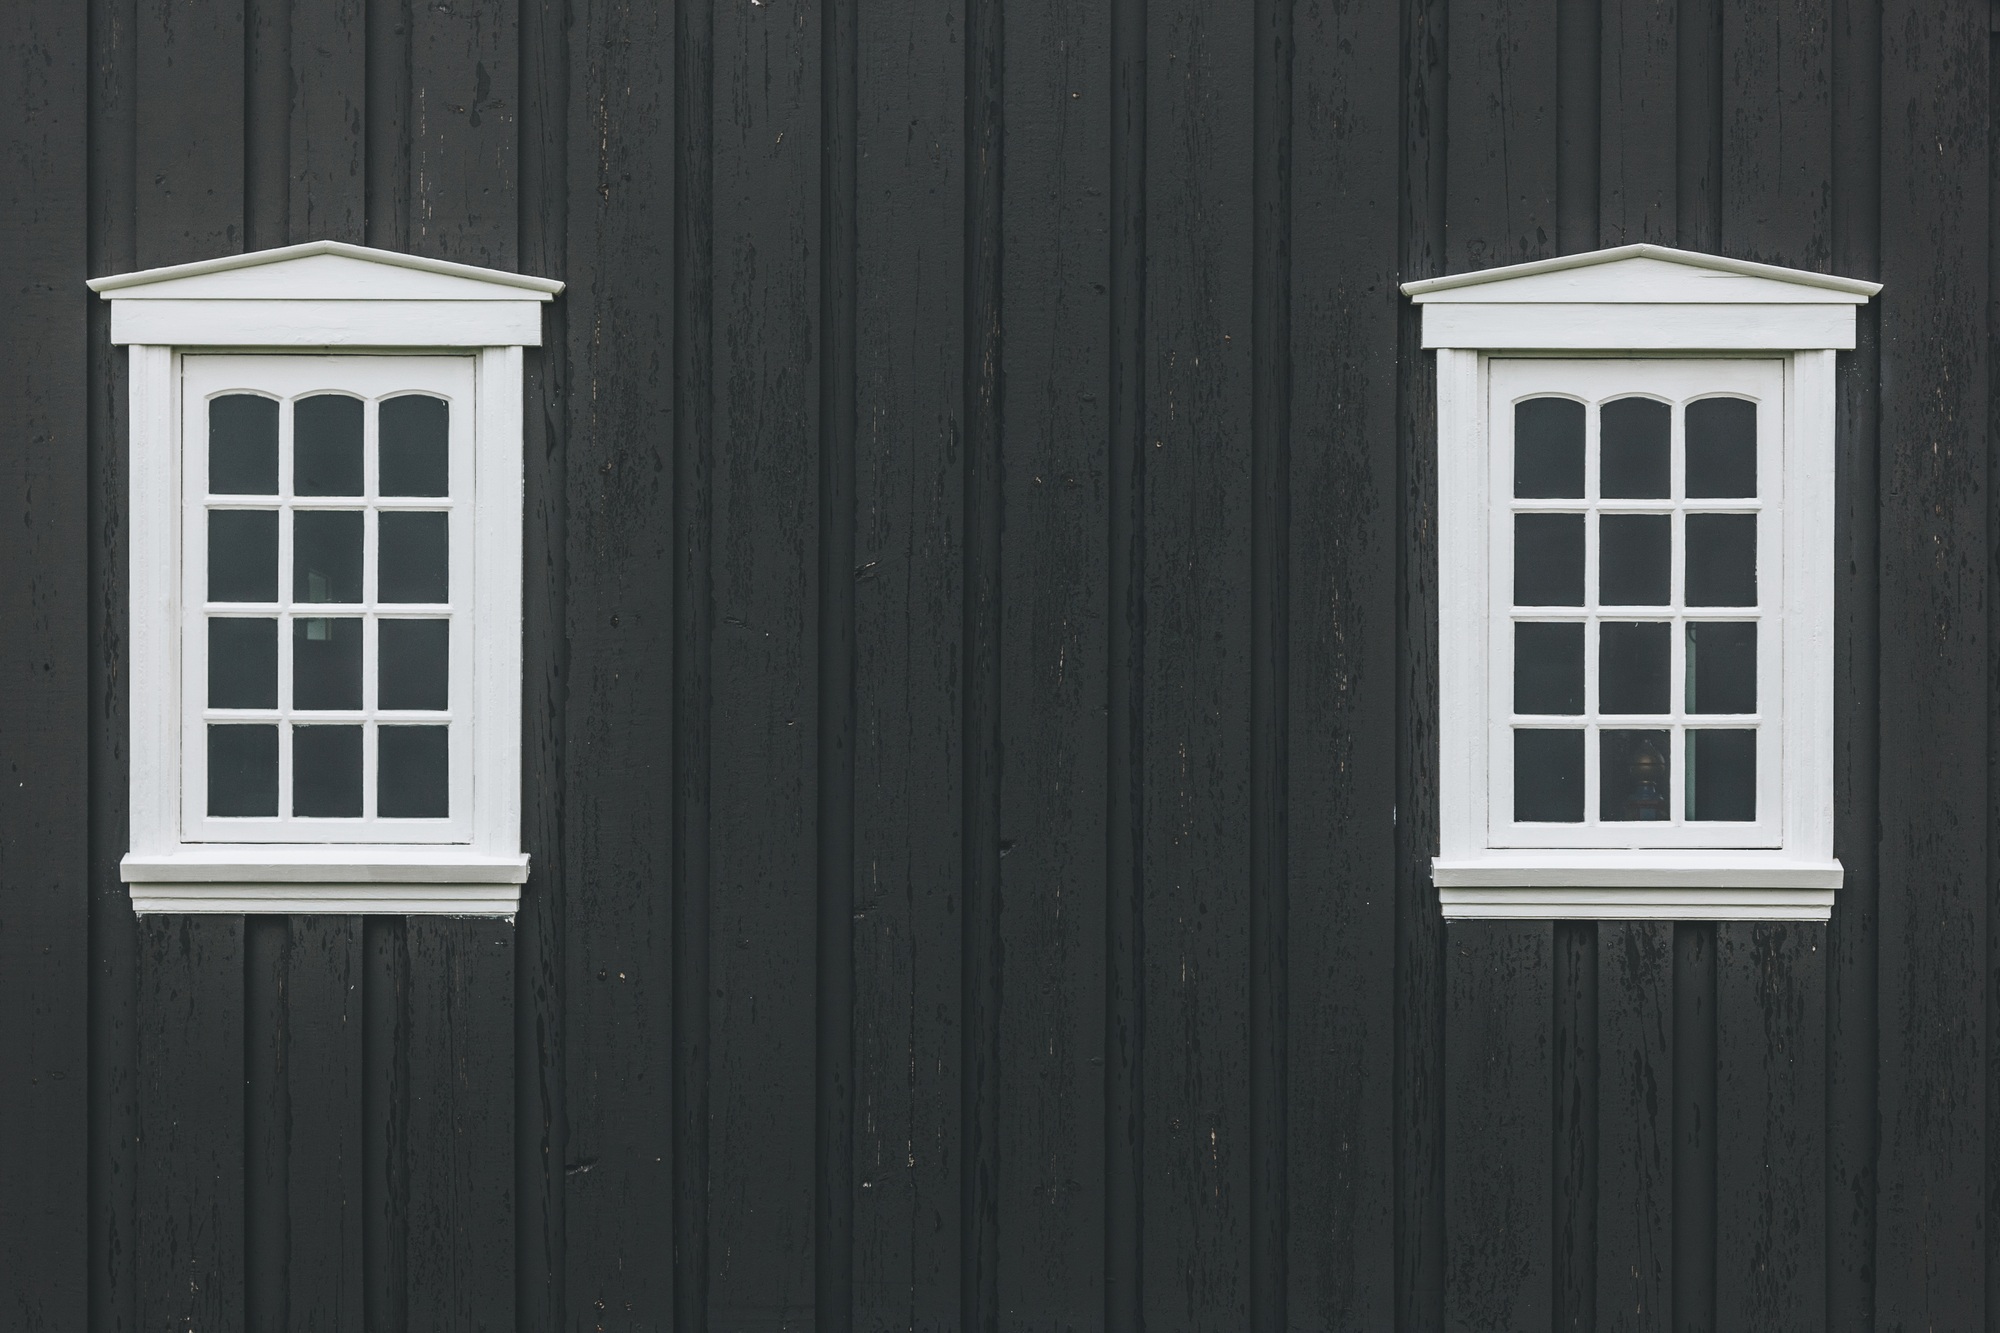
pixel 1613 269
pixel 1541 869
pixel 1584 327
pixel 251 325
pixel 1636 904
pixel 413 899
pixel 257 276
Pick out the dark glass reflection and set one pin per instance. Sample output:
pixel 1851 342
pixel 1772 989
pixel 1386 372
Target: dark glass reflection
pixel 414 664
pixel 326 772
pixel 414 563
pixel 1722 775
pixel 1722 560
pixel 414 774
pixel 1548 560
pixel 326 555
pixel 1548 776
pixel 326 662
pixel 1548 449
pixel 326 445
pixel 1722 667
pixel 242 555
pixel 1634 666
pixel 415 459
pixel 242 663
pixel 1722 449
pixel 1634 560
pixel 1548 668
pixel 242 445
pixel 1633 775
pixel 1635 460
pixel 242 770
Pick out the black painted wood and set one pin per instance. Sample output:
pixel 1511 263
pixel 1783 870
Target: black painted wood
pixel 190 160
pixel 1576 1066
pixel 326 156
pixel 1776 124
pixel 1638 89
pixel 1502 173
pixel 1635 1128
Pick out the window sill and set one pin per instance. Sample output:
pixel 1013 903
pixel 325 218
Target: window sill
pixel 1636 885
pixel 395 880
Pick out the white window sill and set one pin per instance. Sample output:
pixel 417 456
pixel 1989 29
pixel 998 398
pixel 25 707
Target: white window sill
pixel 1636 885
pixel 398 880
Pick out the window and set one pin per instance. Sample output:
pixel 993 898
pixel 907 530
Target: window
pixel 326 569
pixel 1635 550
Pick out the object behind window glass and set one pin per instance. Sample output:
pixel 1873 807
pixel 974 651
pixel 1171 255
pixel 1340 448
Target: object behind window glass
pixel 1633 775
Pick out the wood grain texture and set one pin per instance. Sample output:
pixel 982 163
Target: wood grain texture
pixel 1770 1125
pixel 1054 669
pixel 327 155
pixel 617 782
pixel 1638 175
pixel 1777 132
pixel 762 695
pixel 464 109
pixel 191 1133
pixel 191 82
pixel 1574 1123
pixel 1503 176
pixel 325 1193
pixel 1936 571
pixel 1340 487
pixel 1635 1127
pixel 45 710
pixel 1695 1127
pixel 1499 1016
pixel 1194 778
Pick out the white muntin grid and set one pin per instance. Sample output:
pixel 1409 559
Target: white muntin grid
pixel 1676 384
pixel 370 611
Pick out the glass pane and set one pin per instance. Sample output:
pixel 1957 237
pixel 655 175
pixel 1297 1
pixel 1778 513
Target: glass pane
pixel 1548 668
pixel 1635 461
pixel 242 663
pixel 1548 449
pixel 1635 560
pixel 1634 773
pixel 414 775
pixel 415 655
pixel 1722 667
pixel 326 445
pixel 1722 560
pixel 326 555
pixel 326 662
pixel 1634 665
pixel 1548 560
pixel 415 460
pixel 1722 775
pixel 242 555
pixel 243 770
pixel 242 445
pixel 414 564
pixel 1722 449
pixel 326 772
pixel 1548 777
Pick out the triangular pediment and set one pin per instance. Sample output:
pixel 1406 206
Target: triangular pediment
pixel 325 271
pixel 1642 274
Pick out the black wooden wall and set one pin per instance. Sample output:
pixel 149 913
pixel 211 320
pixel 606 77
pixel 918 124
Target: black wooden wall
pixel 981 686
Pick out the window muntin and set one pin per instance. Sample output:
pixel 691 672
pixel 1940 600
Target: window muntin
pixel 328 574
pixel 1636 603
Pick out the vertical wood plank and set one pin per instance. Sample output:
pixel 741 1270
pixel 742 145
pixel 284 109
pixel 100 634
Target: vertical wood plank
pixel 1638 171
pixel 328 150
pixel 191 1159
pixel 1341 487
pixel 386 123
pixel 267 123
pixel 464 105
pixel 618 771
pixel 460 1259
pixel 1770 1126
pixel 1574 1126
pixel 323 1133
pixel 1777 132
pixel 911 502
pixel 267 1114
pixel 762 693
pixel 1695 1127
pixel 1936 572
pixel 385 1131
pixel 1499 1014
pixel 1503 175
pixel 190 123
pixel 1635 1116
pixel 1195 714
pixel 45 598
pixel 1698 108
pixel 1055 642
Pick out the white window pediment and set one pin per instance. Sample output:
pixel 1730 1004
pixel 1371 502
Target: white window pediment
pixel 325 581
pixel 1636 461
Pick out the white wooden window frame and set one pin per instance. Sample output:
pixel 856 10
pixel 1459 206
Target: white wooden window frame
pixel 1635 303
pixel 324 298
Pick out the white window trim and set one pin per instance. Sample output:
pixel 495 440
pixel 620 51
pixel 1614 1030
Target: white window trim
pixel 1642 300
pixel 326 296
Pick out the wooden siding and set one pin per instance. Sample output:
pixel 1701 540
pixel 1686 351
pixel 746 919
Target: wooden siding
pixel 980 686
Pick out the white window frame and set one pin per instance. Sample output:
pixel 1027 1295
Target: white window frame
pixel 324 299
pixel 1635 303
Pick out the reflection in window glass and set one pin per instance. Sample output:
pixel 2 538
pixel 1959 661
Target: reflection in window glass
pixel 1548 776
